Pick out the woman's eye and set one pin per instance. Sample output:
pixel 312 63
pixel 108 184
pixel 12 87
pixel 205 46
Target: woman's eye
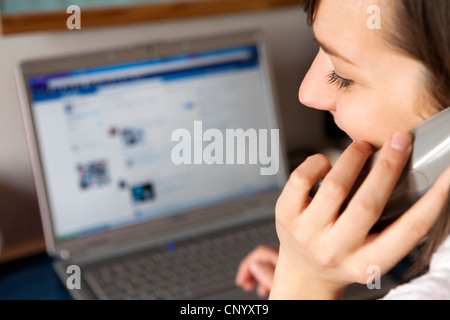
pixel 340 82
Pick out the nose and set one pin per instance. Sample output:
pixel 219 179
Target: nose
pixel 315 91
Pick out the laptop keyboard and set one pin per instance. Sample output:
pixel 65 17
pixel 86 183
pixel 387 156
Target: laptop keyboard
pixel 182 270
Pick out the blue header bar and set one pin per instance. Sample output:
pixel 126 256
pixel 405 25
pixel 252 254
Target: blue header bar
pixel 89 81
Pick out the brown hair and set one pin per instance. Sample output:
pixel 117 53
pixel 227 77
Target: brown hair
pixel 421 30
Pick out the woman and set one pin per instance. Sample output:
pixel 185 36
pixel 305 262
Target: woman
pixel 378 83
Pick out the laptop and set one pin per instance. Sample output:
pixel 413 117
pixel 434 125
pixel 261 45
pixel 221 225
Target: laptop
pixel 142 186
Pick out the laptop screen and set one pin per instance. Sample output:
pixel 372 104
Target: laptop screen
pixel 130 142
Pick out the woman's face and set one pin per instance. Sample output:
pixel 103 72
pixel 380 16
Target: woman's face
pixel 371 90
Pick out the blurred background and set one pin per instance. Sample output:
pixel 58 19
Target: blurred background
pixel 37 28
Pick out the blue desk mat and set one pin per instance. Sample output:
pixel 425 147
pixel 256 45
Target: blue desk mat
pixel 31 278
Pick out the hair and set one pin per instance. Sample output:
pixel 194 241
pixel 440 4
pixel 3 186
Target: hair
pixel 421 30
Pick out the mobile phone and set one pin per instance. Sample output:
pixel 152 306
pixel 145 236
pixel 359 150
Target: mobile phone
pixel 429 158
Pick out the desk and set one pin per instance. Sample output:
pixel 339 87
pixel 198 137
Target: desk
pixel 31 278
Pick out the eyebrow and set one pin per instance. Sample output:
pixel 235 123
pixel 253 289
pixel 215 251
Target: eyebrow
pixel 332 52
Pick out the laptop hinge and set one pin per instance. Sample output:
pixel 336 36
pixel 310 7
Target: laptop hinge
pixel 111 250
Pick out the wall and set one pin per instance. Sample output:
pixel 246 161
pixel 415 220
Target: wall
pixel 289 43
pixel 14 6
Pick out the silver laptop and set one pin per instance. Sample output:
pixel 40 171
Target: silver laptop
pixel 157 166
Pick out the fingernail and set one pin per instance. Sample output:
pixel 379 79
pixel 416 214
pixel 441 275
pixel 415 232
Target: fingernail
pixel 401 141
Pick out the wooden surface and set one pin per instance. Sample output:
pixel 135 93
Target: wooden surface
pixel 134 14
pixel 23 249
pixel 20 223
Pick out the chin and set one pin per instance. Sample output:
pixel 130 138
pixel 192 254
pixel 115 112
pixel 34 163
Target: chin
pixel 354 138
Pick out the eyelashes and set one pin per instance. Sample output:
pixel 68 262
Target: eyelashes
pixel 336 80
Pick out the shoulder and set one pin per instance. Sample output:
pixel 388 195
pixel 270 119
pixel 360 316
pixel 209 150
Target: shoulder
pixel 435 284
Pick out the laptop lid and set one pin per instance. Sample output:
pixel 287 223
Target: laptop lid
pixel 136 143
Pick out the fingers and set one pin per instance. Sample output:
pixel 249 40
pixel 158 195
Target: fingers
pixel 327 202
pixel 263 274
pixel 367 204
pixel 295 195
pixel 257 267
pixel 403 235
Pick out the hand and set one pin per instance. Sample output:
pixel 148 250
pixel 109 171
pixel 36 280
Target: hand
pixel 322 251
pixel 258 269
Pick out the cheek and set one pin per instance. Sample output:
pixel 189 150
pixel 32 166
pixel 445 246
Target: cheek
pixel 360 120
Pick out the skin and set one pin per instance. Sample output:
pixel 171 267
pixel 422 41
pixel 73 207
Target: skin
pixel 317 259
